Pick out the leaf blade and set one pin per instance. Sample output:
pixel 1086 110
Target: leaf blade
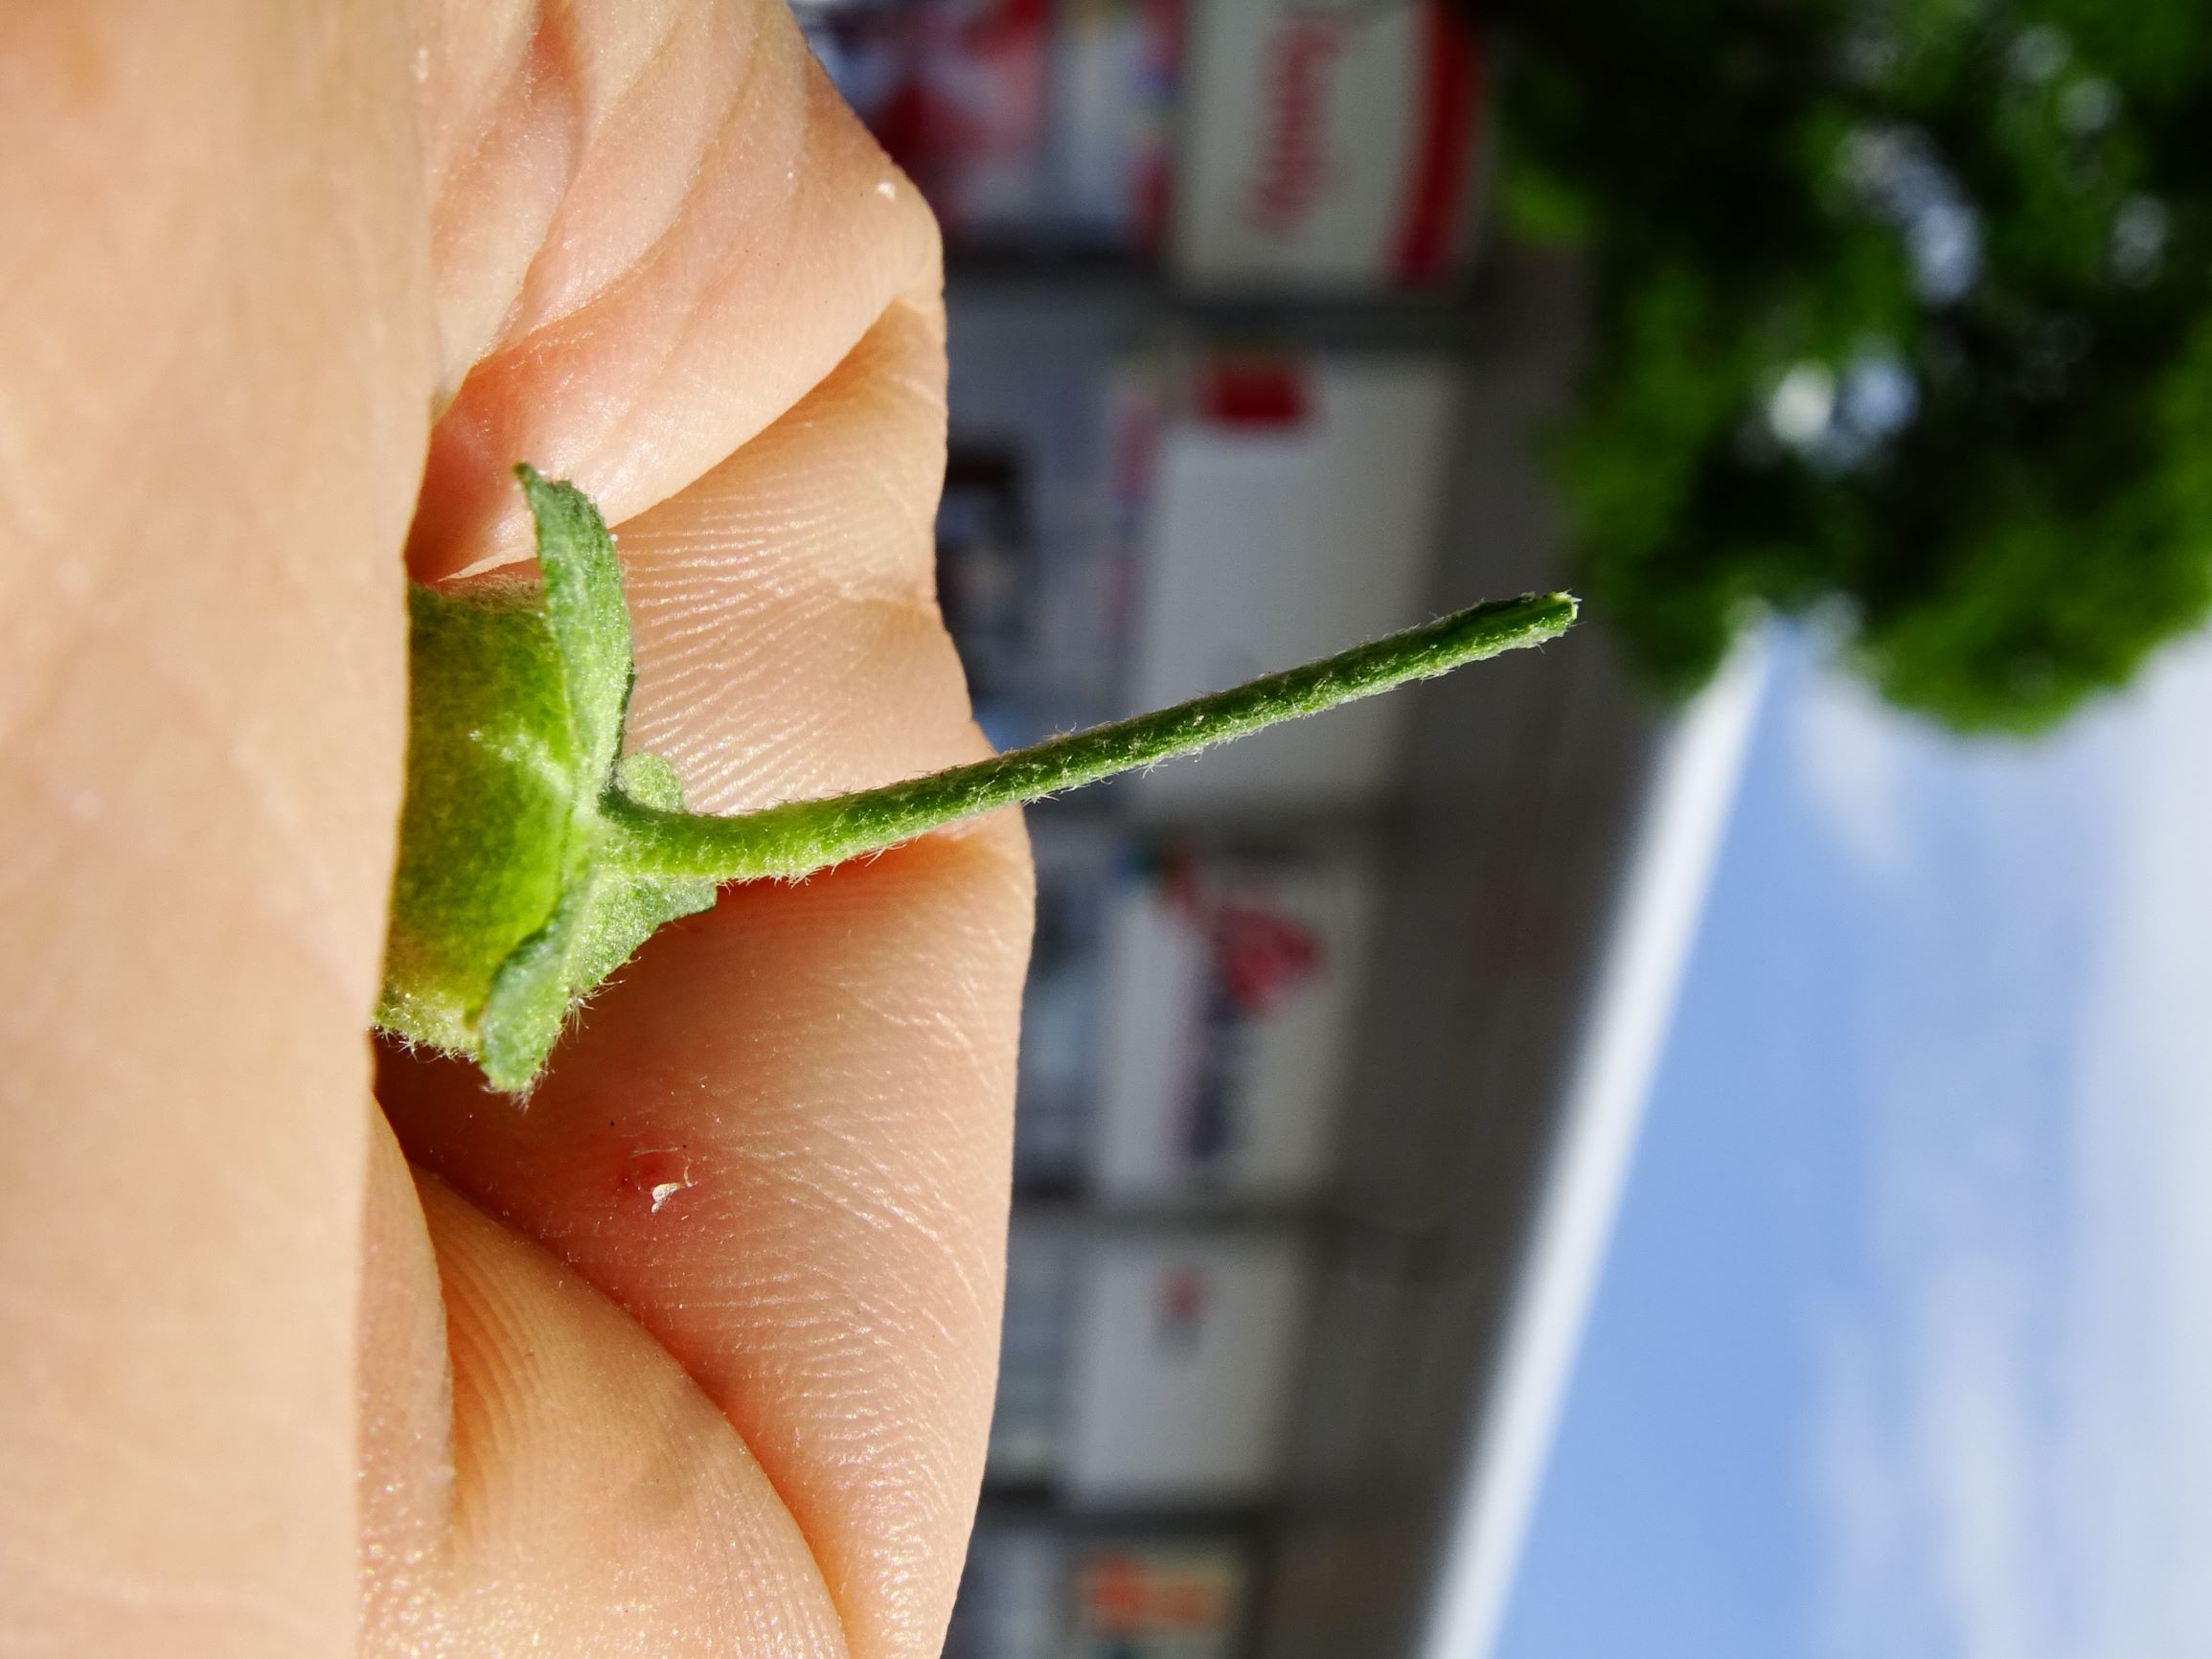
pixel 588 617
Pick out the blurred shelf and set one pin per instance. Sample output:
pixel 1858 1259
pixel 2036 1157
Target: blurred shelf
pixel 1254 827
pixel 1076 305
pixel 1038 1503
pixel 1200 1212
pixel 1415 1254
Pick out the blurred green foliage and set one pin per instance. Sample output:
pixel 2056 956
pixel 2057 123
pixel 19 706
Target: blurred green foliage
pixel 1903 321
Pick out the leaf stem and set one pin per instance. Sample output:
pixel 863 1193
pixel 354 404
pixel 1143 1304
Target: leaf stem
pixel 801 836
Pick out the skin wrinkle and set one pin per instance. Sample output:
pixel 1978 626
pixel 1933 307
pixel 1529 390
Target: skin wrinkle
pixel 693 664
pixel 945 1329
pixel 646 261
pixel 483 1419
pixel 550 72
pixel 651 262
pixel 444 110
pixel 156 1598
pixel 709 619
pixel 650 392
pixel 542 313
pixel 34 678
pixel 324 956
pixel 42 1013
pixel 806 725
pixel 743 553
pixel 72 1425
pixel 835 400
pixel 859 590
pixel 803 158
pixel 306 920
pixel 863 1199
pixel 187 677
pixel 515 143
pixel 87 1050
pixel 482 1308
pixel 697 309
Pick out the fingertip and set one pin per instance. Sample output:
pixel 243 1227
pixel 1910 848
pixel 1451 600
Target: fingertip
pixel 602 1504
pixel 644 335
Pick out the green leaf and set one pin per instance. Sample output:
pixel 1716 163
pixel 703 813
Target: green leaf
pixel 603 919
pixel 590 623
pixel 532 994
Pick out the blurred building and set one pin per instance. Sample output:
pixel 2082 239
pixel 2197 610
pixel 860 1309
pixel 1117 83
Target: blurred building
pixel 1334 1041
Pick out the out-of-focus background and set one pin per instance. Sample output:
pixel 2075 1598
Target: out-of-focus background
pixel 1694 1141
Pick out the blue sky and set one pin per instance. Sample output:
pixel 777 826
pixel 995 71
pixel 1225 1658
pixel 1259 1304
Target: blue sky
pixel 1903 1346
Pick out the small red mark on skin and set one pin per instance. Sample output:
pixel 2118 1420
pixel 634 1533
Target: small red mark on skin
pixel 656 1175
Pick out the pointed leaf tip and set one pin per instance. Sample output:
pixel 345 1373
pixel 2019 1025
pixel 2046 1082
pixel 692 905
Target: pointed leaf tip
pixel 585 610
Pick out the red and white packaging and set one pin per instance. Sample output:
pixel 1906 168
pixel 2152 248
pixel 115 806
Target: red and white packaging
pixel 1114 87
pixel 1185 1355
pixel 1327 143
pixel 1232 989
pixel 1296 511
pixel 1038 126
pixel 1158 1601
pixel 959 92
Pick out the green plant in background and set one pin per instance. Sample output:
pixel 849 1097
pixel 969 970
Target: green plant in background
pixel 1903 319
pixel 536 856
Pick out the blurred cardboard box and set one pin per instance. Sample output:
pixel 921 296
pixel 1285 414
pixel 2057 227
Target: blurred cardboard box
pixel 1032 1591
pixel 1158 1601
pixel 1295 512
pixel 1116 65
pixel 1184 1358
pixel 1328 144
pixel 1032 126
pixel 1027 1418
pixel 1231 992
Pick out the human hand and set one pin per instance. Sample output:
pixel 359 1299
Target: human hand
pixel 692 1355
